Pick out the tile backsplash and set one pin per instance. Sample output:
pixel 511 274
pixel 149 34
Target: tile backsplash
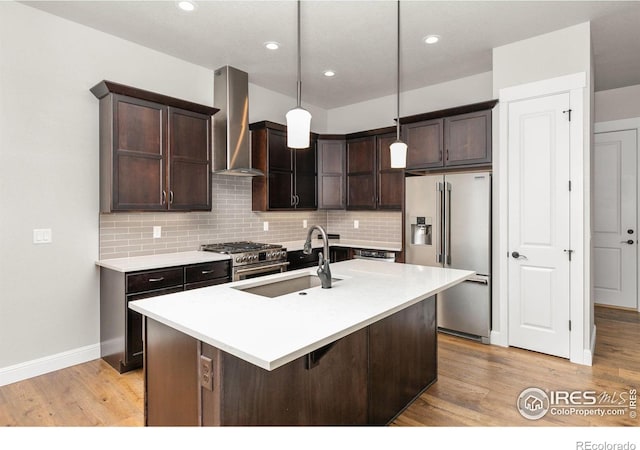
pixel 231 219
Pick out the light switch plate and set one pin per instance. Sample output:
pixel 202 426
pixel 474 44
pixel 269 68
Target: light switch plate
pixel 42 236
pixel 265 226
pixel 157 232
pixel 304 223
pixel 356 224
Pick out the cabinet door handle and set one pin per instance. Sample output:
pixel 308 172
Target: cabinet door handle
pixel 164 197
pixel 170 197
pixel 154 280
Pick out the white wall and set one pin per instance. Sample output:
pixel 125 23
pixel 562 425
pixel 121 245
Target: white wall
pixel 552 55
pixel 381 112
pixel 272 106
pixel 49 294
pixel 616 104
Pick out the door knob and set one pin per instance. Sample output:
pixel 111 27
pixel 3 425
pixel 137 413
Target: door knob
pixel 630 242
pixel 517 255
pixel 629 231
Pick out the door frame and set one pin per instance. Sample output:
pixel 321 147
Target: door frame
pixel 632 124
pixel 582 337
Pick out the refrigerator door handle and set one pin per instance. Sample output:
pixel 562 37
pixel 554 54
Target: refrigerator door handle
pixel 440 209
pixel 447 237
pixel 481 279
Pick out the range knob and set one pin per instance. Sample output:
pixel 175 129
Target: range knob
pixel 237 259
pixel 254 257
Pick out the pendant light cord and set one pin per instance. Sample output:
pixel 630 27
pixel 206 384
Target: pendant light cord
pixel 299 63
pixel 398 79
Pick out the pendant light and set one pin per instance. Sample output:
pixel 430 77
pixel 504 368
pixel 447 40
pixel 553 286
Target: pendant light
pixel 298 119
pixel 398 149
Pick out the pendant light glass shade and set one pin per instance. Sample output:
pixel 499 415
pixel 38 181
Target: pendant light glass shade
pixel 298 128
pixel 398 149
pixel 398 155
pixel 298 119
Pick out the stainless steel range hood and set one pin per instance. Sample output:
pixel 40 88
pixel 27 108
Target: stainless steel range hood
pixel 231 145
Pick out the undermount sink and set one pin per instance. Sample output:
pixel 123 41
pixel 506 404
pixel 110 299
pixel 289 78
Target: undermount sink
pixel 276 288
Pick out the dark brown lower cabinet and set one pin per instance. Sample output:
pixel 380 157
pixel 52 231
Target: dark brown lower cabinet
pixel 367 377
pixel 120 327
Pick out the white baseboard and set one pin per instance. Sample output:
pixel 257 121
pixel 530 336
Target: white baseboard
pixel 48 364
pixel 588 353
pixel 498 338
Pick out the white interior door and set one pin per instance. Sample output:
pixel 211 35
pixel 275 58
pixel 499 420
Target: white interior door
pixel 615 213
pixel 539 276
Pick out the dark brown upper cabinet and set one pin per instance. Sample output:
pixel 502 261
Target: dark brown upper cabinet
pixel 456 137
pixel 290 174
pixel 425 142
pixel 361 173
pixel 155 151
pixel 467 139
pixel 331 163
pixel 371 182
pixel 390 181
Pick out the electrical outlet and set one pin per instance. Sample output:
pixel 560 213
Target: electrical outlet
pixel 304 223
pixel 206 372
pixel 356 224
pixel 157 232
pixel 265 226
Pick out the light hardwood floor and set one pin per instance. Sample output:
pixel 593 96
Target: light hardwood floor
pixel 477 385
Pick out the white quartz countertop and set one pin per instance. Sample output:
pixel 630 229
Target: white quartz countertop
pixel 150 262
pixel 271 332
pixel 353 243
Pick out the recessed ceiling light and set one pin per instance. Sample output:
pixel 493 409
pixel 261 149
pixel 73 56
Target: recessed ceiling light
pixel 431 39
pixel 186 5
pixel 272 45
pixel 329 73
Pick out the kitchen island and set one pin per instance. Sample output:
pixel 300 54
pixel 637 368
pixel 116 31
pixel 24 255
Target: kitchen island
pixel 245 354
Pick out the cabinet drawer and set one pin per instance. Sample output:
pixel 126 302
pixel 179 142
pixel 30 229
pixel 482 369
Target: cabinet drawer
pixel 154 279
pixel 206 271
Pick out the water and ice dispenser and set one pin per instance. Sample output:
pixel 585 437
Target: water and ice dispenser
pixel 421 230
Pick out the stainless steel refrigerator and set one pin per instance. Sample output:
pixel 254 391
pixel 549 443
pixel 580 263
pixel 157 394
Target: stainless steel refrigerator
pixel 448 224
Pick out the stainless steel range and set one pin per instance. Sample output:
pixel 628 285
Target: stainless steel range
pixel 251 259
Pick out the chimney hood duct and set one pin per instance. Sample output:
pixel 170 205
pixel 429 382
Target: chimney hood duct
pixel 231 146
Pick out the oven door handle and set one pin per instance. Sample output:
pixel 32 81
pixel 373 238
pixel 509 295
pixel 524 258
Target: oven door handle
pixel 243 271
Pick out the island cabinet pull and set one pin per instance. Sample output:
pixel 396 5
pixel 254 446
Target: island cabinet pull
pixel 154 280
pixel 206 272
pixel 313 358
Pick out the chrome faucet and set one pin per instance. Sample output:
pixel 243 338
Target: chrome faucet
pixel 324 272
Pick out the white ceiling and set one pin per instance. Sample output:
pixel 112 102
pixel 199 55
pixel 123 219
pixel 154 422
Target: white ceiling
pixel 357 39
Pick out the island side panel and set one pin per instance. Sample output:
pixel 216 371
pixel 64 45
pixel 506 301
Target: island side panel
pixel 402 360
pixel 171 376
pixel 338 382
pixel 326 387
pixel 251 395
